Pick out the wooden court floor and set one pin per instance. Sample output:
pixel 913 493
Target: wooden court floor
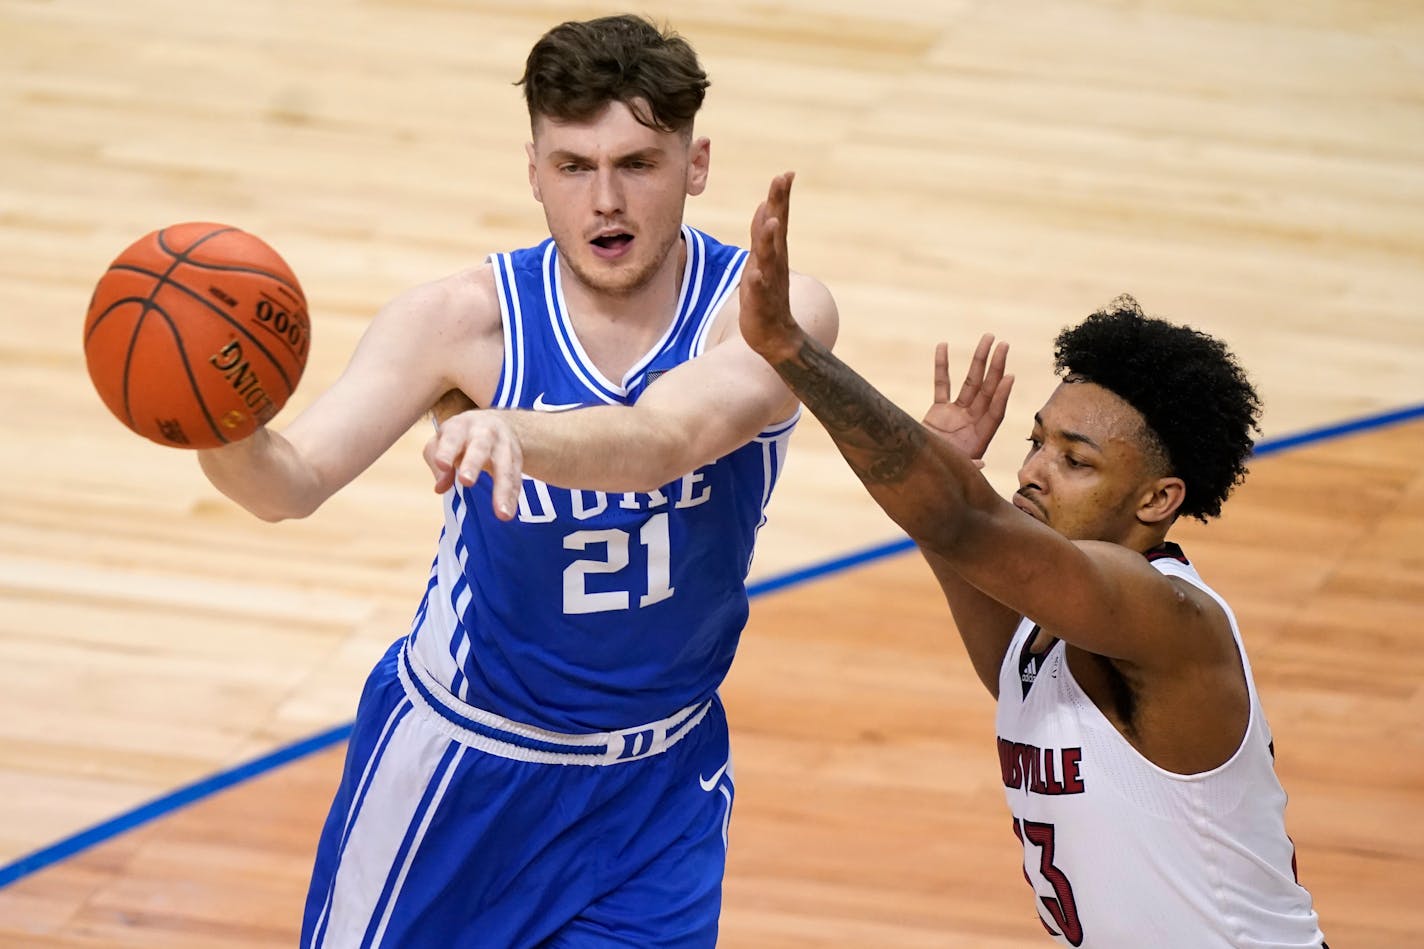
pixel 963 165
pixel 868 810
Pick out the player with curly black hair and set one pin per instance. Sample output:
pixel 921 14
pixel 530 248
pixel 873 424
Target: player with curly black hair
pixel 1204 439
pixel 1134 753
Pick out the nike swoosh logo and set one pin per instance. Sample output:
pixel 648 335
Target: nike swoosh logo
pixel 710 783
pixel 541 406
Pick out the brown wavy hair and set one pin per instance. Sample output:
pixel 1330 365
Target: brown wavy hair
pixel 578 67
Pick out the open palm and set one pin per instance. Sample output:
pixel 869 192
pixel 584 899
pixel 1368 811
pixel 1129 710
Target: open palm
pixel 970 419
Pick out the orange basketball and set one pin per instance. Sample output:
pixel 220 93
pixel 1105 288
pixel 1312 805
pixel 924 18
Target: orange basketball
pixel 196 335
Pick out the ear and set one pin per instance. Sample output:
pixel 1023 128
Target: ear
pixel 699 154
pixel 1160 503
pixel 533 178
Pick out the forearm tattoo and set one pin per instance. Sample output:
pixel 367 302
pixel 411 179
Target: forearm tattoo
pixel 879 440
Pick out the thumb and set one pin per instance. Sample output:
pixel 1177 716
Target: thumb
pixel 443 471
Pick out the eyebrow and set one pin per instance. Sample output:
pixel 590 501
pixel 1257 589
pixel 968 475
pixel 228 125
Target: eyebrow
pixel 642 154
pixel 1077 437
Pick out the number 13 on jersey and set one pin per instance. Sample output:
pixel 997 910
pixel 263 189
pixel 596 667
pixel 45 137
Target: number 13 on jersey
pixel 1039 845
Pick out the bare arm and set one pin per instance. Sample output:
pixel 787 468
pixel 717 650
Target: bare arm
pixel 985 625
pixel 969 421
pixel 1101 597
pixel 696 413
pixel 402 364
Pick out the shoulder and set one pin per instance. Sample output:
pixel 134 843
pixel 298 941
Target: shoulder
pixel 451 326
pixel 462 305
pixel 811 303
pixel 1145 577
pixel 1189 618
pixel 814 307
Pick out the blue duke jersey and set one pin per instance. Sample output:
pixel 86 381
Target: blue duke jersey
pixel 594 611
pixel 593 629
pixel 1122 854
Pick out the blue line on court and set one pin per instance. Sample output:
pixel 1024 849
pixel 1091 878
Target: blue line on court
pixel 173 801
pixel 797 577
pixel 1340 430
pixel 223 780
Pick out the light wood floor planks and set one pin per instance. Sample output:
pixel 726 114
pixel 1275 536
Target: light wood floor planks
pixel 1256 169
pixel 868 810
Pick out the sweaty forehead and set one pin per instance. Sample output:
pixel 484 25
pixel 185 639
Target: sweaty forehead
pixel 1088 410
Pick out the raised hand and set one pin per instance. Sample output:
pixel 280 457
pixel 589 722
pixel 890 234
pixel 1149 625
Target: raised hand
pixel 766 321
pixel 970 420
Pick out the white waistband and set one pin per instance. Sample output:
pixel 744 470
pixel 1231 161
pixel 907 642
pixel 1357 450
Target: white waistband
pixel 500 736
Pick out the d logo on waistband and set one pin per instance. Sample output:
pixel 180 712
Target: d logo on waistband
pixel 637 744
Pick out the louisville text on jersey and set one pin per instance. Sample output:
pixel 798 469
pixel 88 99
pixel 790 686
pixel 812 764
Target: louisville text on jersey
pixel 1041 770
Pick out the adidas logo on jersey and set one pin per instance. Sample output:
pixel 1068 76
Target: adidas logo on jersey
pixel 1028 660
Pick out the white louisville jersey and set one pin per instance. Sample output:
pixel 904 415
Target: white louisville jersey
pixel 1122 854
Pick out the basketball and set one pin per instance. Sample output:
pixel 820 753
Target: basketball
pixel 196 335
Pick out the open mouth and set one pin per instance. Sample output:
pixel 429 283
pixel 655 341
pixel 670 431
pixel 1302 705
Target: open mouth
pixel 611 245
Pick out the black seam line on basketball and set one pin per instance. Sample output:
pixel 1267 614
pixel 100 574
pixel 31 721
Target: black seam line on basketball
pixel 128 362
pixel 159 281
pixel 188 368
pixel 183 256
pixel 107 310
pixel 164 281
pixel 200 265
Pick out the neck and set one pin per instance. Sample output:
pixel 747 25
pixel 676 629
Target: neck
pixel 616 328
pixel 651 301
pixel 1142 538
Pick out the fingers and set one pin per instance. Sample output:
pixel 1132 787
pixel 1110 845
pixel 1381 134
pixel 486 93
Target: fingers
pixel 769 223
pixel 780 200
pixel 472 442
pixel 443 452
pixel 758 222
pixel 443 471
pixel 996 368
pixel 999 403
pixel 941 374
pixel 971 390
pixel 506 468
pixel 991 377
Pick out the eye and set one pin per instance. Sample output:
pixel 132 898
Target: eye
pixel 1035 443
pixel 1076 462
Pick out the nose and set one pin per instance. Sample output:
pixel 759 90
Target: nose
pixel 607 193
pixel 1031 472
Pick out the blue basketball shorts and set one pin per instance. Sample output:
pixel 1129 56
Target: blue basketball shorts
pixel 456 828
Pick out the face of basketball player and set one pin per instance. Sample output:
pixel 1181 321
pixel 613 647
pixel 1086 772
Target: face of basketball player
pixel 1089 474
pixel 613 192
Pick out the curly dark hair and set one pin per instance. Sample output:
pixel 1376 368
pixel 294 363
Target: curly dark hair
pixel 577 68
pixel 1199 406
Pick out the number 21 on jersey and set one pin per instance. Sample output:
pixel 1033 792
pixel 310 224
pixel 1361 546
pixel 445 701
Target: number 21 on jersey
pixel 654 548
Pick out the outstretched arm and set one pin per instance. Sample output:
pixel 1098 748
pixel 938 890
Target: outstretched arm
pixel 918 478
pixel 413 350
pixel 1099 596
pixel 694 414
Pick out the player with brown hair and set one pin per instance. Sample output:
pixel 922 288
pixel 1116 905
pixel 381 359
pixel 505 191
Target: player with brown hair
pixel 543 759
